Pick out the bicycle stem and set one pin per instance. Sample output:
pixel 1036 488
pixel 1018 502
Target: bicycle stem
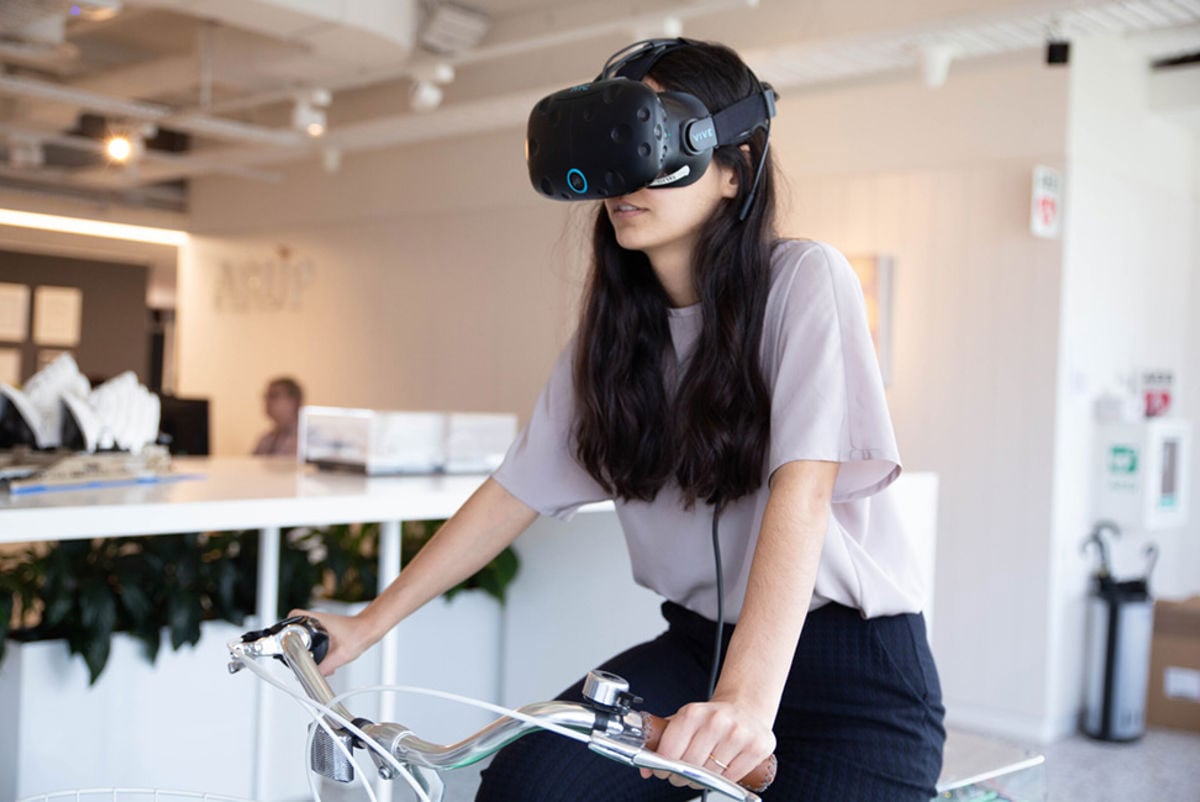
pixel 299 660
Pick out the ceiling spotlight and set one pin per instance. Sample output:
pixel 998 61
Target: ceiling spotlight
pixel 126 142
pixel 308 117
pixel 426 96
pixel 119 148
pixel 125 148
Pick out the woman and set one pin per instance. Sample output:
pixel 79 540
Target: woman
pixel 281 403
pixel 720 382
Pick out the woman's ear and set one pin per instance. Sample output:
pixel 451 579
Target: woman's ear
pixel 729 182
pixel 729 177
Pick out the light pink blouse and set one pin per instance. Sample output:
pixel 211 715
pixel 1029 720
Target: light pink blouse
pixel 827 403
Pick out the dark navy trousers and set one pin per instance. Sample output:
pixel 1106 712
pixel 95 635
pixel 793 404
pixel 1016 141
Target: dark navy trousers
pixel 860 719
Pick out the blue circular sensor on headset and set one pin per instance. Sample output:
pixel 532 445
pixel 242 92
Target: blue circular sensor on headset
pixel 577 181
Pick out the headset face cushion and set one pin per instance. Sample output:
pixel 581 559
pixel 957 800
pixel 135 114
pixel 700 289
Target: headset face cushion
pixel 610 138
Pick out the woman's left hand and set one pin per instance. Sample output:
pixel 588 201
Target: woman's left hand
pixel 725 737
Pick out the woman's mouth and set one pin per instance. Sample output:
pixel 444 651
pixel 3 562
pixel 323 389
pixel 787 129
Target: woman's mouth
pixel 624 210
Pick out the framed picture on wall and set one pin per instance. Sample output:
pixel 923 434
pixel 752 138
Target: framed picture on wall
pixel 57 316
pixel 875 273
pixel 10 366
pixel 14 312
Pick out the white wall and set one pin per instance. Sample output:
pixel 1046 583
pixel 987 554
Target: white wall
pixel 1130 255
pixel 442 280
pixel 439 281
pixel 946 191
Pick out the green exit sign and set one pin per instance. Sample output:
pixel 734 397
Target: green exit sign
pixel 1122 460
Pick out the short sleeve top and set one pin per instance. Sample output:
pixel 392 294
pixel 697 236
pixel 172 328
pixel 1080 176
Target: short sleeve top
pixel 827 403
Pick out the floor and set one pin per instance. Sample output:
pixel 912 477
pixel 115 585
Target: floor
pixel 1164 765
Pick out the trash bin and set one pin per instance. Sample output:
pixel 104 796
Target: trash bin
pixel 1120 630
pixel 1121 624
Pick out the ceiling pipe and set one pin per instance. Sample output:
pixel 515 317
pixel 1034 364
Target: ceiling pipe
pixel 200 124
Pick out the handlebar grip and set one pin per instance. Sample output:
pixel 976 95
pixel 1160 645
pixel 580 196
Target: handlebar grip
pixel 757 780
pixel 320 638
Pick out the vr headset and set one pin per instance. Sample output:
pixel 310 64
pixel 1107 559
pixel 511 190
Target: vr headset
pixel 616 135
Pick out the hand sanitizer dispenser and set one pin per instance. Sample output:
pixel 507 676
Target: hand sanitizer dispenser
pixel 1143 473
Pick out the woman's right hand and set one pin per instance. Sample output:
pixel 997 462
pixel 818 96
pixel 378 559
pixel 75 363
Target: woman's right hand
pixel 349 636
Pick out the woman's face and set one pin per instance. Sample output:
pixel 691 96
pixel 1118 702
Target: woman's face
pixel 280 406
pixel 669 218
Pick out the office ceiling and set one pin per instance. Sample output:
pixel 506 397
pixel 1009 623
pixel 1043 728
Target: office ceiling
pixel 213 86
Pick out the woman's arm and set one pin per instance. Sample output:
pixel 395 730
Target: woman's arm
pixel 735 727
pixel 490 520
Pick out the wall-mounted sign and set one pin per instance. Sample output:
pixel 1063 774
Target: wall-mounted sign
pixel 263 285
pixel 1156 392
pixel 1046 208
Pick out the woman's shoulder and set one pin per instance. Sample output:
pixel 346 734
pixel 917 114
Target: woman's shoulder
pixel 806 270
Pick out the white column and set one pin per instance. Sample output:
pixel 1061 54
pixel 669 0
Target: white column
pixel 268 613
pixel 390 559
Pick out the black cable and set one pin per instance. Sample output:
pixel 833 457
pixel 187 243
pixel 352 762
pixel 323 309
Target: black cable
pixel 716 544
pixel 717 641
pixel 745 210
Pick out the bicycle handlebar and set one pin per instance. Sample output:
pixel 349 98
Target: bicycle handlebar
pixel 614 729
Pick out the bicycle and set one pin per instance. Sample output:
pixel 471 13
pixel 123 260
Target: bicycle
pixel 606 721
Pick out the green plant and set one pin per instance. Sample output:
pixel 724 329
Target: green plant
pixel 83 591
pixel 350 556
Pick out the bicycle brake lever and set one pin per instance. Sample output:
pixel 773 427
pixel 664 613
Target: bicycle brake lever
pixel 642 758
pixel 268 642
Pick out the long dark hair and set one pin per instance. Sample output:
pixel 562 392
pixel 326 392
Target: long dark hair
pixel 712 436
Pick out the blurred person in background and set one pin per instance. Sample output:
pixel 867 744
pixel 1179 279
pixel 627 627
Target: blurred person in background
pixel 281 403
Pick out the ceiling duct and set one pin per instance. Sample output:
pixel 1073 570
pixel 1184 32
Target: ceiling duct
pixel 362 33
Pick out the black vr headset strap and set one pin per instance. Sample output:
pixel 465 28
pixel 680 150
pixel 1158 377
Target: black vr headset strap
pixel 640 57
pixel 735 124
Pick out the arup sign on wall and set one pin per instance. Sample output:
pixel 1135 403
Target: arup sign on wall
pixel 263 285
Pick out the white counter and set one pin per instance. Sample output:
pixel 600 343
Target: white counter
pixel 224 493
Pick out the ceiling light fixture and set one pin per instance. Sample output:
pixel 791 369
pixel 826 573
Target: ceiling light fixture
pixel 426 96
pixel 308 115
pixel 119 148
pixel 126 142
pixel 428 79
pixel 92 228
